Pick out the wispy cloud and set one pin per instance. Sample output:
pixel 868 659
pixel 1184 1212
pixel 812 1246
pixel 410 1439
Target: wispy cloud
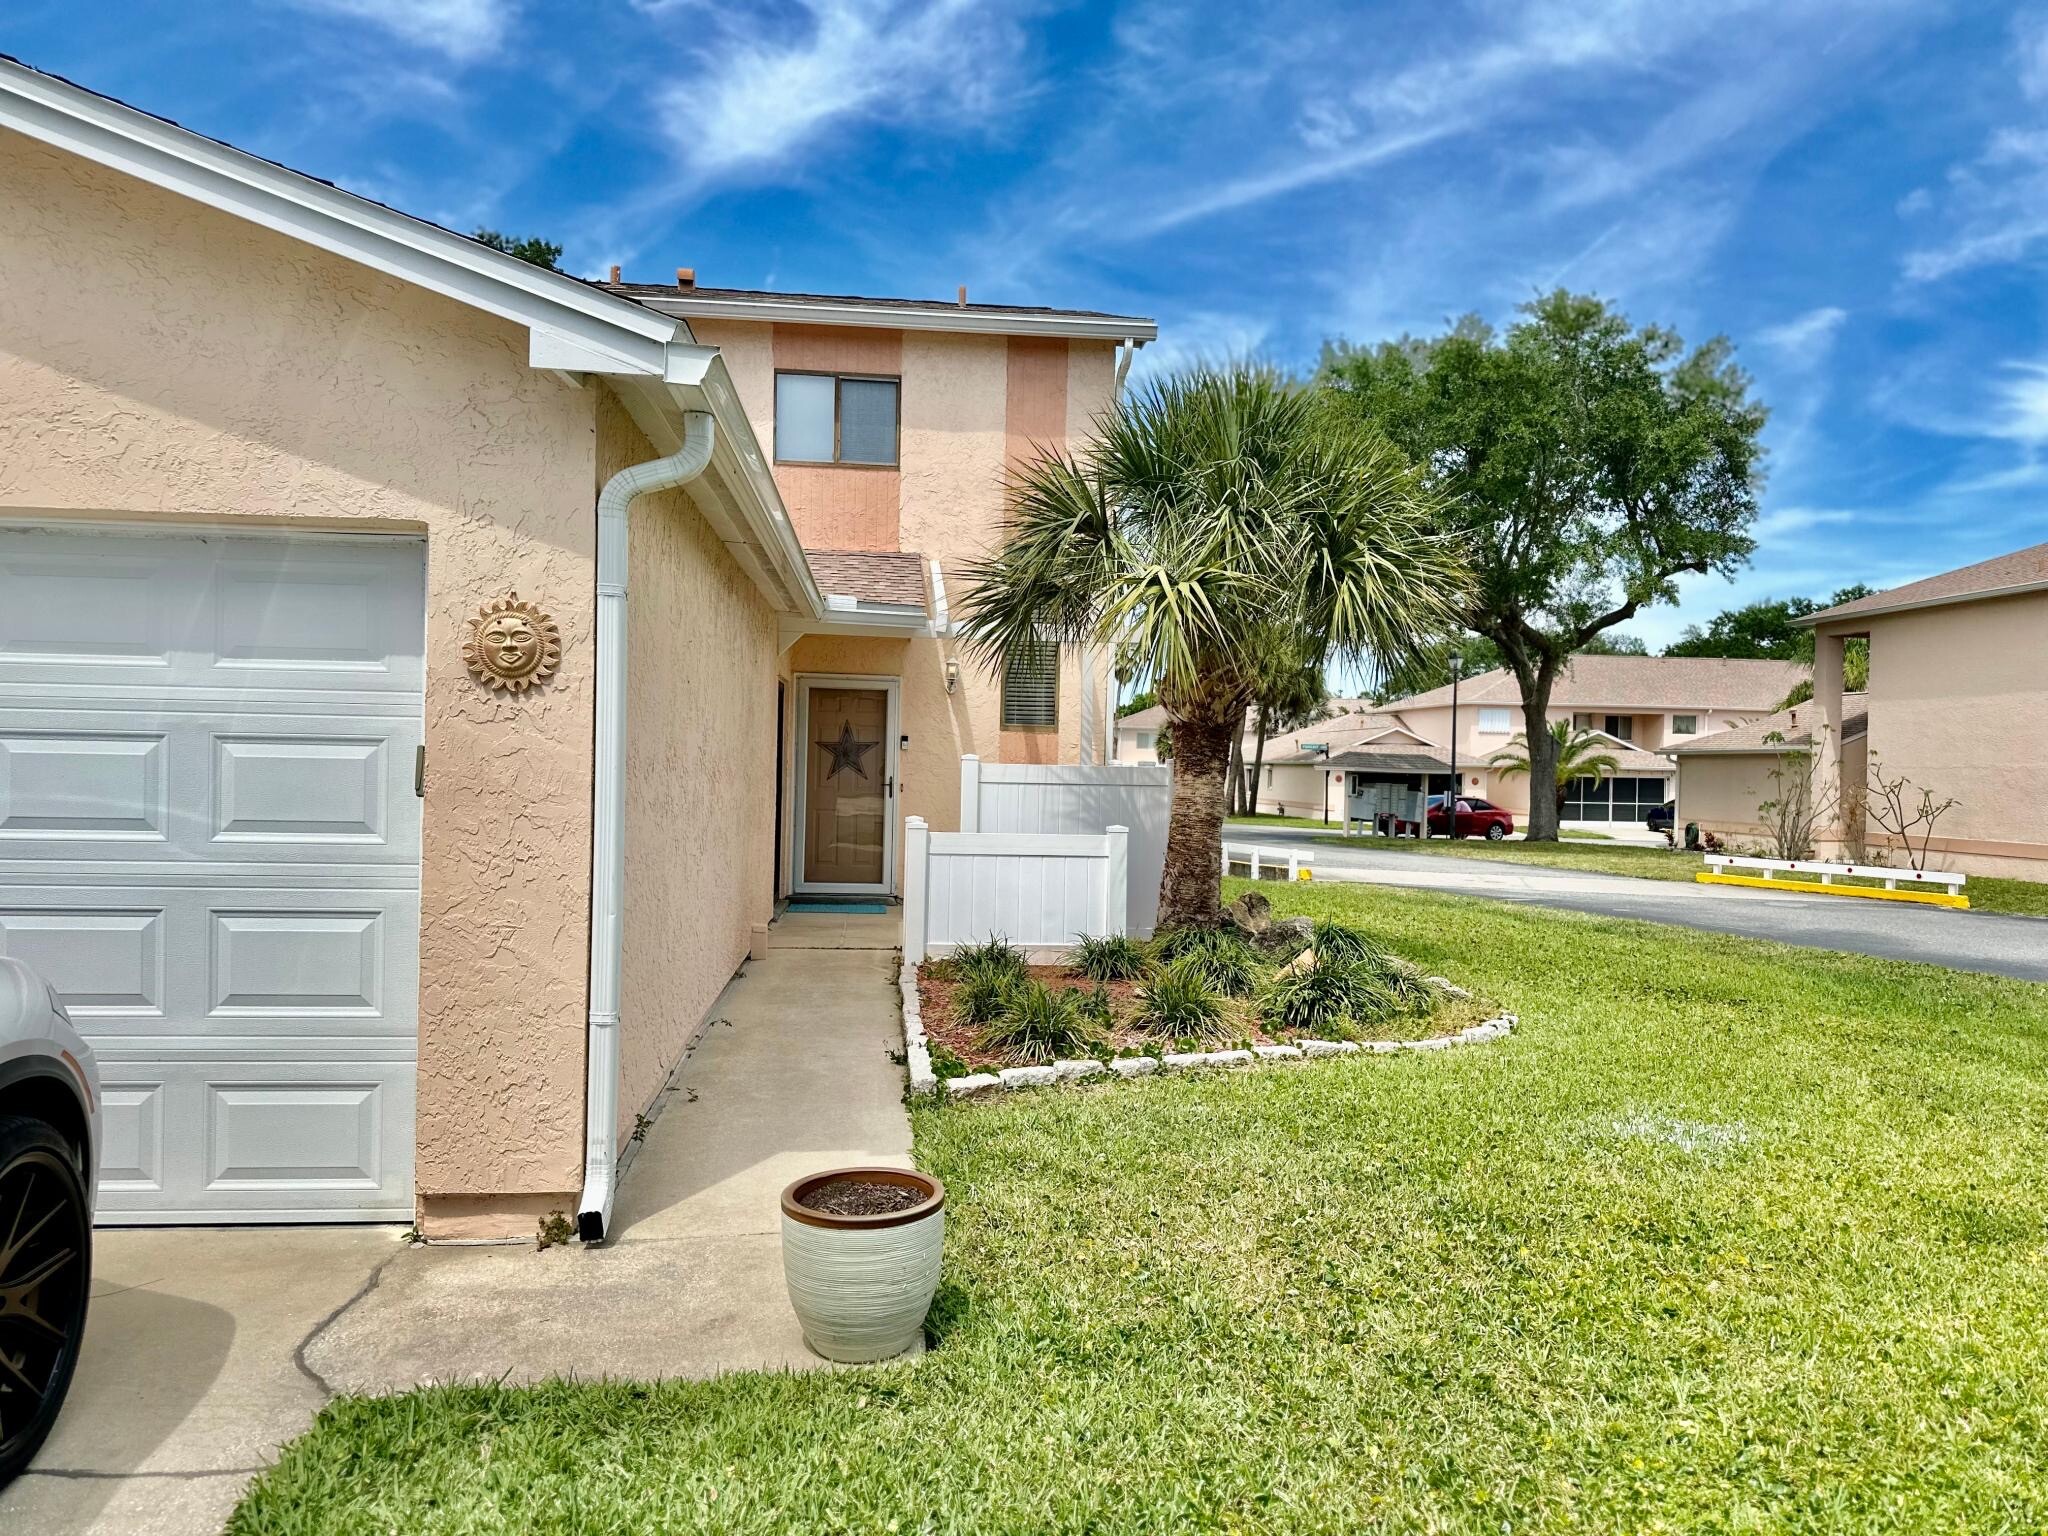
pixel 1994 208
pixel 1805 340
pixel 463 30
pixel 762 92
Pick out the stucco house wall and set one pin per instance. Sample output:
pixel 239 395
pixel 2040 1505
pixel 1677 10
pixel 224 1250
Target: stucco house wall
pixel 700 755
pixel 1958 703
pixel 971 405
pixel 160 360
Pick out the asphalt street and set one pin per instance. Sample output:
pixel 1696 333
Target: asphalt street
pixel 1968 941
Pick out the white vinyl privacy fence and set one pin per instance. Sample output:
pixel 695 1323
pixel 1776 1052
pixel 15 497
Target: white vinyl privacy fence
pixel 1038 890
pixel 1072 799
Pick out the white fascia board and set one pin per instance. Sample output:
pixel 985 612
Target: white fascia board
pixel 76 120
pixel 908 318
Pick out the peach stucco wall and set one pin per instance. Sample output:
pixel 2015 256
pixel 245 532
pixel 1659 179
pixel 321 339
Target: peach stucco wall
pixel 700 760
pixel 162 360
pixel 1958 703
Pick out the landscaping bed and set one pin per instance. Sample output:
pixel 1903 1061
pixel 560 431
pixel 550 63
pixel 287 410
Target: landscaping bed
pixel 1234 988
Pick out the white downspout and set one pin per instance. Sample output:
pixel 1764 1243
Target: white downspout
pixel 608 815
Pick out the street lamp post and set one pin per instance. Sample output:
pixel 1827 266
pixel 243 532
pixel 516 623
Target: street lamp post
pixel 1451 800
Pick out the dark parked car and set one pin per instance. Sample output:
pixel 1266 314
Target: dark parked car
pixel 1662 817
pixel 1475 818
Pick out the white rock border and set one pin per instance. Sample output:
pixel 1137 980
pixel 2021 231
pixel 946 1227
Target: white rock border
pixel 917 1054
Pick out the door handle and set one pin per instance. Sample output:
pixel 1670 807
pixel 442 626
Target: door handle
pixel 889 787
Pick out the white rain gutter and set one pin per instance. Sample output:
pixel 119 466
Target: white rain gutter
pixel 608 817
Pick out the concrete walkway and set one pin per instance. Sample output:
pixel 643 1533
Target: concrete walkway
pixel 1964 941
pixel 208 1348
pixel 794 1073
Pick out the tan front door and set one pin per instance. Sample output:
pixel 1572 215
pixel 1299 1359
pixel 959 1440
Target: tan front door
pixel 846 787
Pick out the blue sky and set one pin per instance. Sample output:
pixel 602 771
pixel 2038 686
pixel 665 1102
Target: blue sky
pixel 1856 193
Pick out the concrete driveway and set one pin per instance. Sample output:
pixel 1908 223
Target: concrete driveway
pixel 1965 941
pixel 207 1349
pixel 190 1379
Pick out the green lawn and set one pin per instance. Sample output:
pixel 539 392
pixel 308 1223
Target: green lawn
pixel 1268 819
pixel 1727 1237
pixel 2027 898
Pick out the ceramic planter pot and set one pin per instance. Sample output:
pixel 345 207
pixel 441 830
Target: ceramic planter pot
pixel 861 1285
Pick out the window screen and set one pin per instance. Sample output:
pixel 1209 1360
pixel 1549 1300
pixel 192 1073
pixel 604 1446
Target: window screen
pixel 867 421
pixel 803 417
pixel 1031 688
pixel 1685 725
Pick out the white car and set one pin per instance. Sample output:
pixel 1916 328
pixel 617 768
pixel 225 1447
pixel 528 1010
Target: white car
pixel 49 1173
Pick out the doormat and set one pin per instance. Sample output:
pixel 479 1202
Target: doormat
pixel 875 907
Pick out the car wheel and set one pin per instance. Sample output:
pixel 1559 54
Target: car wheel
pixel 45 1274
pixel 1496 832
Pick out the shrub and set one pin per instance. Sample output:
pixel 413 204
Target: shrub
pixel 996 960
pixel 982 999
pixel 1225 958
pixel 1338 941
pixel 1178 1002
pixel 1407 983
pixel 1039 1025
pixel 1112 957
pixel 1326 998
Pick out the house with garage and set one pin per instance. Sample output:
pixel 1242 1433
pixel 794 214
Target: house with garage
pixel 1956 705
pixel 1726 779
pixel 421 673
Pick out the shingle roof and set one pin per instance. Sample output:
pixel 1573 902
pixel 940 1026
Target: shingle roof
pixel 1635 682
pixel 869 576
pixel 2020 571
pixel 1388 760
pixel 1149 718
pixel 1795 725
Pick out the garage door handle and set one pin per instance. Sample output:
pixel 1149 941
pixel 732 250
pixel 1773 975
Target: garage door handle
pixel 419 771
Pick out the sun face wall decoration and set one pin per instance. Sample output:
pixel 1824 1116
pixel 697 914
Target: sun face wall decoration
pixel 512 645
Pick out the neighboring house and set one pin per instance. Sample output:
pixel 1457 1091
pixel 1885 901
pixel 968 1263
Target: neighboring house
pixel 1645 704
pixel 1725 779
pixel 381 895
pixel 1957 704
pixel 1137 735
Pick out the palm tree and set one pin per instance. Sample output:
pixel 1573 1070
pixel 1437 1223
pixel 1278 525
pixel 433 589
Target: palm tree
pixel 1216 516
pixel 1581 754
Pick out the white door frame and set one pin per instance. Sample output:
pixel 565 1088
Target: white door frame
pixel 892 686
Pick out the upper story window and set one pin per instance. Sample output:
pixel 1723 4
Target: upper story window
pixel 829 418
pixel 1685 725
pixel 1620 727
pixel 1031 689
pixel 1495 721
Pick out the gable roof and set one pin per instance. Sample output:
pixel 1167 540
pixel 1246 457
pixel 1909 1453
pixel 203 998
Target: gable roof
pixel 1150 718
pixel 573 327
pixel 1795 725
pixel 2024 570
pixel 1650 683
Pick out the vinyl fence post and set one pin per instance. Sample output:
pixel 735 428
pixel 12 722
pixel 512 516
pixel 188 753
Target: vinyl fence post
pixel 970 793
pixel 1116 900
pixel 917 852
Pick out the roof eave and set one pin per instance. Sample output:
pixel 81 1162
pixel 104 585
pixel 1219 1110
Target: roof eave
pixel 913 318
pixel 1851 612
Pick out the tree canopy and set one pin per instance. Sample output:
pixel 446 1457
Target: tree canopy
pixel 531 248
pixel 1582 464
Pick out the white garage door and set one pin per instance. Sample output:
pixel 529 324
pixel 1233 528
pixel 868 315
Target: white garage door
pixel 209 843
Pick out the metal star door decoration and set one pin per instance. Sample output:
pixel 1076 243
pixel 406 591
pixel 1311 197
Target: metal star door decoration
pixel 848 751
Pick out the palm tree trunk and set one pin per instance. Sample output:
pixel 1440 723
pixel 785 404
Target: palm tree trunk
pixel 1191 888
pixel 1234 797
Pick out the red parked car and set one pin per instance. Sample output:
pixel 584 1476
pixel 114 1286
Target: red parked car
pixel 1476 818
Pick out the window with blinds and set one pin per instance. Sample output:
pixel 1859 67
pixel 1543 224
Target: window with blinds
pixel 1031 688
pixel 823 418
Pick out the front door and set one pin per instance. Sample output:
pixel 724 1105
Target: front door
pixel 848 784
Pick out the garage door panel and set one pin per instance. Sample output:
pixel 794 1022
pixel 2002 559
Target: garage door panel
pixel 208 785
pixel 209 842
pixel 236 959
